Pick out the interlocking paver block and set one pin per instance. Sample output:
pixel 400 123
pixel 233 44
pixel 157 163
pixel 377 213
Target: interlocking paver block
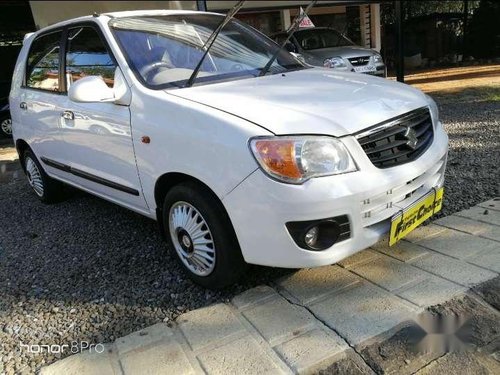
pixel 88 363
pixel 403 250
pixel 142 338
pixel 362 312
pixel 306 353
pixel 452 269
pixel 470 226
pixel 481 214
pixel 253 296
pixel 424 232
pixel 493 204
pixel 362 257
pixel 166 357
pixel 278 319
pixel 389 273
pixel 458 244
pixel 488 259
pixel 243 356
pixel 308 285
pixel 432 291
pixel 209 324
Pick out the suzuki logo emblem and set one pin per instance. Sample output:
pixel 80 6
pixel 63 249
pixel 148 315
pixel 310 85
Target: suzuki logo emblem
pixel 411 135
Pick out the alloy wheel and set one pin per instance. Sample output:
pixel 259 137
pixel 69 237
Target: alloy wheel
pixel 6 126
pixel 34 176
pixel 192 238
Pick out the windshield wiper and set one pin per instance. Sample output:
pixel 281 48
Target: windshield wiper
pixel 211 39
pixel 293 28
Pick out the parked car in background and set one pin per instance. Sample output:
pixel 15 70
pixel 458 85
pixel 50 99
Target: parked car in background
pixel 5 120
pixel 242 153
pixel 326 47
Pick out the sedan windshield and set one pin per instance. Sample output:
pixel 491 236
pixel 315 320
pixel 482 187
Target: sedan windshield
pixel 163 51
pixel 321 38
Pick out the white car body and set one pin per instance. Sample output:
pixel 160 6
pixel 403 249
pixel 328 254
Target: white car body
pixel 204 132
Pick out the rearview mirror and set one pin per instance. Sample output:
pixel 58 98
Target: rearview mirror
pixel 290 47
pixel 91 89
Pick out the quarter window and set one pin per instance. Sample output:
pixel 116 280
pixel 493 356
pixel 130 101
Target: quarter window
pixel 87 55
pixel 43 63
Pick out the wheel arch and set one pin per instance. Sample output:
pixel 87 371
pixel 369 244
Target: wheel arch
pixel 166 182
pixel 21 147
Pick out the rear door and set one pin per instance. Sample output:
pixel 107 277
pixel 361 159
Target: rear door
pixel 98 135
pixel 41 98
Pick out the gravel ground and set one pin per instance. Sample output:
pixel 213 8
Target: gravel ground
pixel 473 172
pixel 87 271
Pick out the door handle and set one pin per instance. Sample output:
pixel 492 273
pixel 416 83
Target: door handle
pixel 23 105
pixel 68 115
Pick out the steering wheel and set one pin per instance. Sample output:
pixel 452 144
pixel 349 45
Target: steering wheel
pixel 237 67
pixel 153 67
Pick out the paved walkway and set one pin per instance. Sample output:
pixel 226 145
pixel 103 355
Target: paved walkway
pixel 314 317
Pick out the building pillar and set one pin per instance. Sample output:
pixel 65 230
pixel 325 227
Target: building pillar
pixel 364 23
pixel 285 19
pixel 376 39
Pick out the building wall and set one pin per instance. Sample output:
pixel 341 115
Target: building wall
pixel 49 12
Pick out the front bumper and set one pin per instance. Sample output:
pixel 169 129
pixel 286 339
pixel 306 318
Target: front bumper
pixel 260 207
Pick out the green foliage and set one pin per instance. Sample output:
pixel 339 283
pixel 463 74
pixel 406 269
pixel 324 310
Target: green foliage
pixel 483 39
pixel 412 8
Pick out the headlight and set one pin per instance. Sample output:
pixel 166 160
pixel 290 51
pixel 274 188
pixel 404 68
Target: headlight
pixel 434 109
pixel 334 62
pixel 295 159
pixel 377 59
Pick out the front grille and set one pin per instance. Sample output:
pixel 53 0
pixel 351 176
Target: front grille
pixel 399 140
pixel 359 61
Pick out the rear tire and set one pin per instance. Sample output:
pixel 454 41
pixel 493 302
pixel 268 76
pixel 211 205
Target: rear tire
pixel 46 189
pixel 6 127
pixel 200 234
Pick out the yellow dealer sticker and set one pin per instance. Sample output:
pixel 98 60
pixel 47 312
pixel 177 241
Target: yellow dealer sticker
pixel 412 216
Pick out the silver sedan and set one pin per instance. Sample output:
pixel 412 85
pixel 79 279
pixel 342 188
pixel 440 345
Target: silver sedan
pixel 326 47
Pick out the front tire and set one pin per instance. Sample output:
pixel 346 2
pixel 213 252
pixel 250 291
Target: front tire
pixel 46 189
pixel 200 233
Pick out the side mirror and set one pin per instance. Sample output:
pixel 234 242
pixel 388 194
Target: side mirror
pixel 91 89
pixel 290 47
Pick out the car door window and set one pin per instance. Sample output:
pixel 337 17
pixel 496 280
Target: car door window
pixel 87 55
pixel 42 71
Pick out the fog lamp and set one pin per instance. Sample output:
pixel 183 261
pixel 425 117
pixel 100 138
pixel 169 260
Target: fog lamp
pixel 311 237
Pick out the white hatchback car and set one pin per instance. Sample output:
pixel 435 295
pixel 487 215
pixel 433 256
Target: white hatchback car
pixel 299 167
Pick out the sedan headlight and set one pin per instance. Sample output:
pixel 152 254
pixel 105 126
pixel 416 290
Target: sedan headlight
pixel 295 159
pixel 377 59
pixel 334 62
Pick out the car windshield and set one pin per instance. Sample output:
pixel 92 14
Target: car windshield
pixel 321 38
pixel 163 51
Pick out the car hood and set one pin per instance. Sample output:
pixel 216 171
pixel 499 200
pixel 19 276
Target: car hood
pixel 345 51
pixel 310 101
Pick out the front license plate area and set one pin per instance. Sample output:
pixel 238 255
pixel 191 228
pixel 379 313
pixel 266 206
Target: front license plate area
pixel 406 220
pixel 364 69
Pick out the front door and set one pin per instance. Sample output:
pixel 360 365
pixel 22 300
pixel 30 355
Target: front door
pixel 98 135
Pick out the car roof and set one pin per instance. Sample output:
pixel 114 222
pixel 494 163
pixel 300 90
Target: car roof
pixel 304 29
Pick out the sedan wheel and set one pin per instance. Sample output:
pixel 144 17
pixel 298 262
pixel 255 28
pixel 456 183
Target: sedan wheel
pixel 6 127
pixel 34 176
pixel 192 238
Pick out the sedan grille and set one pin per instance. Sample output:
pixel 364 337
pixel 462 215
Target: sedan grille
pixel 399 140
pixel 359 61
